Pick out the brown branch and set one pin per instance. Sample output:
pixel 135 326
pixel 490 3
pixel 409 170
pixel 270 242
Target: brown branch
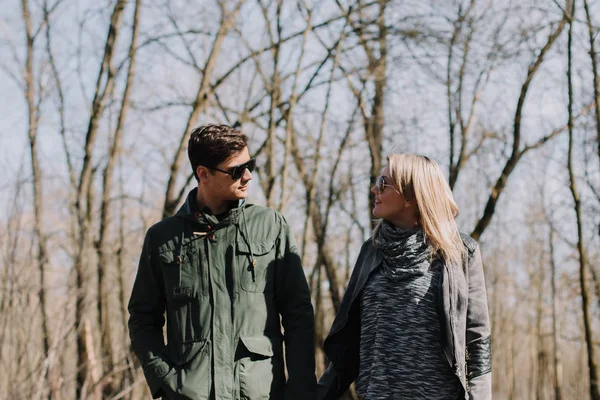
pixel 41 258
pixel 201 101
pixel 596 74
pixel 105 207
pixel 517 153
pixel 455 167
pixel 583 262
pixel 84 198
pixel 290 112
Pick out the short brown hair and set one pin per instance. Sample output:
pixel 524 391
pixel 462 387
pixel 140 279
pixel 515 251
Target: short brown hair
pixel 211 144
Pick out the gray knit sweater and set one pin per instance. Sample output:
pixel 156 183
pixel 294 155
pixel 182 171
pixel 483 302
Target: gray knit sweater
pixel 401 356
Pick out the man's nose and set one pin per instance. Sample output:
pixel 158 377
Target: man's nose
pixel 247 175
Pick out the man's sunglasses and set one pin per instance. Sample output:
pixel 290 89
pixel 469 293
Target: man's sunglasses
pixel 380 184
pixel 237 171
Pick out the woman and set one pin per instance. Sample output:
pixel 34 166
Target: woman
pixel 413 323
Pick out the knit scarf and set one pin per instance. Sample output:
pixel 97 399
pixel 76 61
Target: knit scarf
pixel 405 252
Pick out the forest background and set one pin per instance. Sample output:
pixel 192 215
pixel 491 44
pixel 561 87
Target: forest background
pixel 98 98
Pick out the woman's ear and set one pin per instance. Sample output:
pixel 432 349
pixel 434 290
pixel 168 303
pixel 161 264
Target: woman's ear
pixel 412 204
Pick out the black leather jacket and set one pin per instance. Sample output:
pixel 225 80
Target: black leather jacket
pixel 464 320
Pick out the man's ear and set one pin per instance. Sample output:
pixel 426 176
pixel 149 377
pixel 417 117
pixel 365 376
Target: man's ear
pixel 202 173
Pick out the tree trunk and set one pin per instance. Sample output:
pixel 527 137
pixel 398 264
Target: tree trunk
pixel 516 153
pixel 556 361
pixel 457 162
pixel 511 365
pixel 596 87
pixel 290 118
pixel 172 199
pixel 275 94
pixel 583 264
pixel 374 125
pixel 38 205
pixel 325 253
pixel 103 250
pixel 83 204
pixel 541 352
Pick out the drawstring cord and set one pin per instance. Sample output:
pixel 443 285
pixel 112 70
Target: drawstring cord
pixel 180 257
pixel 245 236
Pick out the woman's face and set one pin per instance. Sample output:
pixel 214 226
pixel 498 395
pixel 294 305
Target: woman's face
pixel 388 200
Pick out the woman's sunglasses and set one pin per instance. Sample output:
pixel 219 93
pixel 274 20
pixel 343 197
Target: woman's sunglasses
pixel 237 171
pixel 380 184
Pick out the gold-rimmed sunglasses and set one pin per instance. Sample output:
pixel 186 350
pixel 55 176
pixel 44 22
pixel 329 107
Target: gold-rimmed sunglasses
pixel 381 184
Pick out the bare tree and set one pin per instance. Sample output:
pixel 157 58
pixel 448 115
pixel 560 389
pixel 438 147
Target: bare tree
pixel 517 152
pixel 556 358
pixel 84 199
pixel 290 112
pixel 33 101
pixel 462 104
pixel 455 111
pixel 583 265
pixel 376 54
pixel 172 199
pixel 315 87
pixel 594 61
pixel 103 250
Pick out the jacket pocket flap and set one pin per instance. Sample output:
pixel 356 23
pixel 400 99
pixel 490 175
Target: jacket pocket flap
pixel 258 345
pixel 187 351
pixel 171 257
pixel 258 248
pixel 182 292
pixel 167 257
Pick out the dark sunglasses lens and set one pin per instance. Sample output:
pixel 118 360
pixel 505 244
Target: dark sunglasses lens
pixel 238 171
pixel 251 164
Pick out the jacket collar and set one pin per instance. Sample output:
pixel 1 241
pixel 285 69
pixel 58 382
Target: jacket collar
pixel 372 261
pixel 369 260
pixel 190 211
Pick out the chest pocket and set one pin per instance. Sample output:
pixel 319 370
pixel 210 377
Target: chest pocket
pixel 256 277
pixel 180 274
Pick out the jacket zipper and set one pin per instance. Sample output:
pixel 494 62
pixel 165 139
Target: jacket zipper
pixel 450 285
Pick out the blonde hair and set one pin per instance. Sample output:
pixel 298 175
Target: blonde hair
pixel 420 178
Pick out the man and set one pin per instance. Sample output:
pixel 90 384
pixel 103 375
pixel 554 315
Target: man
pixel 228 275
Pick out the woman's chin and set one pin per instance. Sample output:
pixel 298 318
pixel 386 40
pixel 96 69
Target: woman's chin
pixel 375 212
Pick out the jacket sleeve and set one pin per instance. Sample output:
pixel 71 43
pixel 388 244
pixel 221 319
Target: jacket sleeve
pixel 326 388
pixel 329 383
pixel 146 319
pixel 297 317
pixel 479 349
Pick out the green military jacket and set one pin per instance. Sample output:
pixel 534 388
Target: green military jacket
pixel 227 286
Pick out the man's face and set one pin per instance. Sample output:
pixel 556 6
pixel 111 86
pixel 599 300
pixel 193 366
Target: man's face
pixel 220 185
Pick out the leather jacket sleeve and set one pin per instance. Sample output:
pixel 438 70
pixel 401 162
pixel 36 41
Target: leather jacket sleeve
pixel 478 335
pixel 332 384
